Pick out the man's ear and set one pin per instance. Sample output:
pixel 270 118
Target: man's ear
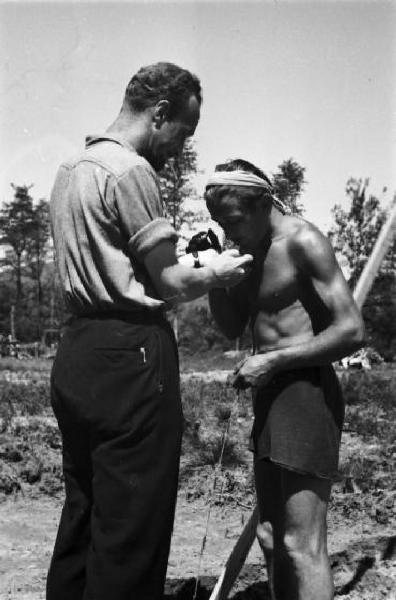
pixel 161 113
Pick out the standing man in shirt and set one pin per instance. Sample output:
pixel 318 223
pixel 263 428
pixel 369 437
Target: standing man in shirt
pixel 303 317
pixel 115 380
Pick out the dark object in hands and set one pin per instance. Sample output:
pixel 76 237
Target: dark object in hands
pixel 238 382
pixel 203 241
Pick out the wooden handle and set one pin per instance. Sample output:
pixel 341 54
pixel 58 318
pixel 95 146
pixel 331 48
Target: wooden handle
pixel 236 559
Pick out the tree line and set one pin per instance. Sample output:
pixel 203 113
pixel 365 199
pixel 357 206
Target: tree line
pixel 31 305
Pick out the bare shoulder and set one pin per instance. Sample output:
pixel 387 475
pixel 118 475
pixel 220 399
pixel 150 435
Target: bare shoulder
pixel 308 245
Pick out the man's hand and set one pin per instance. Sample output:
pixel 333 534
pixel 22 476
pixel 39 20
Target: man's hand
pixel 230 267
pixel 253 371
pixel 206 257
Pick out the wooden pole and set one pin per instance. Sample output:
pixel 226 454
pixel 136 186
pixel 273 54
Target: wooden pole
pixel 12 322
pixel 241 549
pixel 381 247
pixel 236 559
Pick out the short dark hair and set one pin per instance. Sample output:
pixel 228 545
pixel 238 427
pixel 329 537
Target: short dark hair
pixel 162 81
pixel 248 196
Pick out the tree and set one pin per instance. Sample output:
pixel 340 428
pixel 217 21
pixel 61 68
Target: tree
pixel 24 234
pixel 289 181
pixel 353 236
pixel 16 218
pixel 37 252
pixel 176 188
pixel 356 229
pixel 379 314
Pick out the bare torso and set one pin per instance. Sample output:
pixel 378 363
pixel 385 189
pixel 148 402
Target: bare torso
pixel 283 307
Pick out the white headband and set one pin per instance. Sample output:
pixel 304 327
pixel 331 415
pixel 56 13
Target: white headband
pixel 244 178
pixel 238 178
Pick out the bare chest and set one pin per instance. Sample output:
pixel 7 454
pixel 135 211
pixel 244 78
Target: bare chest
pixel 273 283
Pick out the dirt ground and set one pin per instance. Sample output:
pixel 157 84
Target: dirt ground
pixel 363 554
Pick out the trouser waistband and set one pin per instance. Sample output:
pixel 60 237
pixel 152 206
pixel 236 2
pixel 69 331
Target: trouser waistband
pixel 136 317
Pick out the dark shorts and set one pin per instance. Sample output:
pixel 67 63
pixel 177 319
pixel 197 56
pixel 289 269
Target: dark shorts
pixel 298 421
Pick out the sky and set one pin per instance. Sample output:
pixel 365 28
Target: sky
pixel 310 81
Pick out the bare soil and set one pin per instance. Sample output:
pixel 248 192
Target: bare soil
pixel 363 553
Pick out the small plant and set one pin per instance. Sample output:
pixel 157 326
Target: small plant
pixel 23 399
pixel 369 388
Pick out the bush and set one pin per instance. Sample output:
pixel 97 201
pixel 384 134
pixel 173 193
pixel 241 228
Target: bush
pixel 370 404
pixel 198 332
pixel 21 399
pixel 370 414
pixel 211 412
pixel 32 450
pixel 375 387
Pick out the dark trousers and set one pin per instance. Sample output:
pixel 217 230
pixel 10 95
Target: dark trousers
pixel 115 393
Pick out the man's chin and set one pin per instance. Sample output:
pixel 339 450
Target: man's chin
pixel 157 162
pixel 157 165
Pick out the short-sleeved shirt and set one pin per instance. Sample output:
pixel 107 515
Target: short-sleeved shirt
pixel 107 214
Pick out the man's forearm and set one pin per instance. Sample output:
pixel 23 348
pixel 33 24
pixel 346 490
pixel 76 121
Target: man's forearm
pixel 187 283
pixel 328 346
pixel 225 314
pixel 175 282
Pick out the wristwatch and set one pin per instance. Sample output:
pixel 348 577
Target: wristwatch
pixel 197 264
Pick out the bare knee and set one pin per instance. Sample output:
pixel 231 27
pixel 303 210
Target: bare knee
pixel 265 536
pixel 303 547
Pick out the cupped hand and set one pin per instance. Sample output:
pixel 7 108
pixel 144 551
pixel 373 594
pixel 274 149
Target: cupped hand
pixel 230 267
pixel 253 371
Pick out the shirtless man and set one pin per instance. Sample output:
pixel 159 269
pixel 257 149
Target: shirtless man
pixel 303 317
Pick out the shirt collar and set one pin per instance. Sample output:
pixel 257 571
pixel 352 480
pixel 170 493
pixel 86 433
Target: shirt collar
pixel 90 140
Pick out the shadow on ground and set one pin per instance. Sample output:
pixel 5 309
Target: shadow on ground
pixel 358 568
pixel 185 589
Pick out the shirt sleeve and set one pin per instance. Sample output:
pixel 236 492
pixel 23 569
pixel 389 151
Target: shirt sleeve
pixel 139 206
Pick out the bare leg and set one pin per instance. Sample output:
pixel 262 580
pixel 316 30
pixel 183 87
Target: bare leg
pixel 301 563
pixel 265 539
pixel 268 489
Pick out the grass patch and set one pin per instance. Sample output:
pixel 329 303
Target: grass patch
pixel 22 399
pixel 41 365
pixel 208 361
pixel 213 417
pixel 30 453
pixel 370 417
pixel 371 407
